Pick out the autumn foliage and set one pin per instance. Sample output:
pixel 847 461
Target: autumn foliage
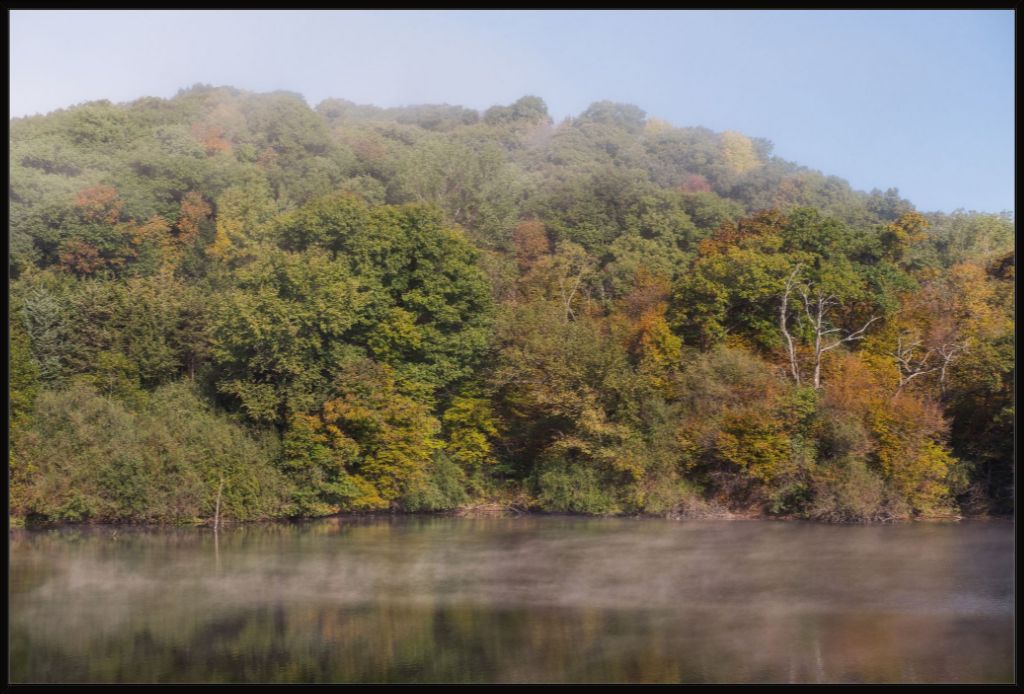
pixel 349 308
pixel 99 204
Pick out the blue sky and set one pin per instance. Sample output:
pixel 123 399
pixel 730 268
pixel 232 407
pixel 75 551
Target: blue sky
pixel 918 100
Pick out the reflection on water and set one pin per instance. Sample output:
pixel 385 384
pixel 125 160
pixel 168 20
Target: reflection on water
pixel 547 599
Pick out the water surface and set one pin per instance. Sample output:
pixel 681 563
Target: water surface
pixel 530 599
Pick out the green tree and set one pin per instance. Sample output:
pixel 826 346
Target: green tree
pixel 278 336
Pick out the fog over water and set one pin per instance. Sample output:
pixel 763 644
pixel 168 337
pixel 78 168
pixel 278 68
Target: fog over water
pixel 515 599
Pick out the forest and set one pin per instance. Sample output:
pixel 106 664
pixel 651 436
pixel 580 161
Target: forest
pixel 232 304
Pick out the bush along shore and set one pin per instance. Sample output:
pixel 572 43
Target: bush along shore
pixel 228 306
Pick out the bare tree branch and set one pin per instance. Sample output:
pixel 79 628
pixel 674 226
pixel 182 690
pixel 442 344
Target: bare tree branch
pixel 817 310
pixel 910 366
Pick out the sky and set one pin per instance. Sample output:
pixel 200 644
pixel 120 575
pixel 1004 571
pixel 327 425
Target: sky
pixel 916 100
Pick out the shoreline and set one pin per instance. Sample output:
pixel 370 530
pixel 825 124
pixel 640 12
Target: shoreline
pixel 471 513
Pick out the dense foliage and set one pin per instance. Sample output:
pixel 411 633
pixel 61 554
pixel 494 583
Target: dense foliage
pixel 230 302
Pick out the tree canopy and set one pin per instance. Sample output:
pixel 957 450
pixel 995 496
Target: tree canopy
pixel 350 308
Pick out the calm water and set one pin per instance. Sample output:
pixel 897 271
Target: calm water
pixel 546 599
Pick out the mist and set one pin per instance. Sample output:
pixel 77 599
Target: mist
pixel 535 599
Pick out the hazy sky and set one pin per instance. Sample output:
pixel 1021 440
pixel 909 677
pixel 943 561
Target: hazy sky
pixel 918 100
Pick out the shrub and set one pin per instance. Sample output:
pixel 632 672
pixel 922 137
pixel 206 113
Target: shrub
pixel 440 488
pixel 845 490
pixel 89 457
pixel 573 488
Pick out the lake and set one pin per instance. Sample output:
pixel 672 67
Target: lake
pixel 527 599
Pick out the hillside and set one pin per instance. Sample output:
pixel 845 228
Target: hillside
pixel 228 300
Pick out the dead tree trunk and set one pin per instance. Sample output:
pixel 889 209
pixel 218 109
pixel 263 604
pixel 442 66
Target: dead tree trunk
pixel 817 308
pixel 216 512
pixel 783 325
